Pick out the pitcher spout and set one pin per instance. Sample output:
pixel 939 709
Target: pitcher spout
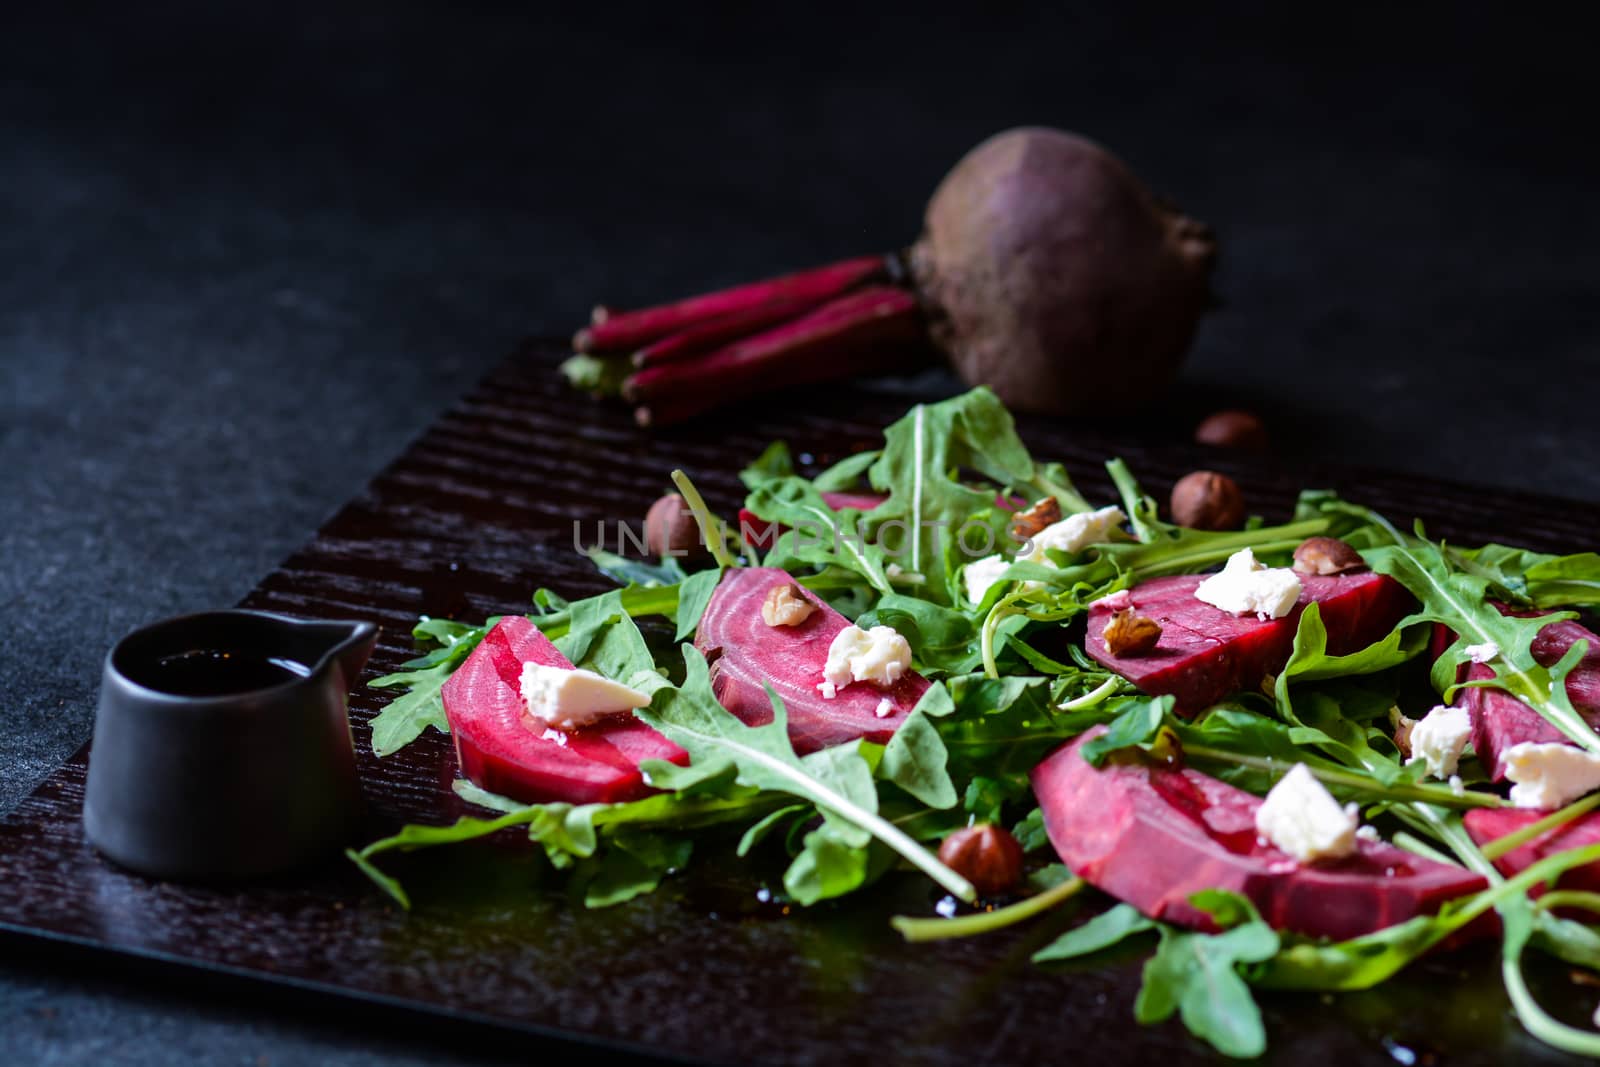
pixel 353 648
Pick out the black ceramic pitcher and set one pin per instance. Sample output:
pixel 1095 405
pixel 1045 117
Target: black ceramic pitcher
pixel 222 746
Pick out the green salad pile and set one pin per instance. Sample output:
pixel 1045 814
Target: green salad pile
pixel 1008 687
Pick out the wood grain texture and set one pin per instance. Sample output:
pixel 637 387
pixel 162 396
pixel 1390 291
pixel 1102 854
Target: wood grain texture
pixel 477 514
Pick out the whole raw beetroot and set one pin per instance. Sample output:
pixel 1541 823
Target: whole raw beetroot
pixel 1052 275
pixel 1045 270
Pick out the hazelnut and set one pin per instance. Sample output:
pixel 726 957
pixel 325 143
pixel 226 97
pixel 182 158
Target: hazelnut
pixel 670 529
pixel 1027 524
pixel 1327 555
pixel 1402 731
pixel 985 855
pixel 1232 429
pixel 1128 634
pixel 1206 500
pixel 786 606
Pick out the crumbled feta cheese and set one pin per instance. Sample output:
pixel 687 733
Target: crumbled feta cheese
pixel 1482 653
pixel 1457 786
pixel 1369 834
pixel 1072 534
pixel 1121 600
pixel 983 573
pixel 1438 738
pixel 570 697
pixel 880 656
pixel 1301 817
pixel 885 708
pixel 1550 774
pixel 894 570
pixel 828 690
pixel 1244 587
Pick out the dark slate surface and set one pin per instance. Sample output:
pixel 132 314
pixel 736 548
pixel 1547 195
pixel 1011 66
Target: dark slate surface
pixel 245 256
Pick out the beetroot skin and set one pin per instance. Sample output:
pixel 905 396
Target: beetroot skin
pixel 1155 835
pixel 1051 274
pixel 1205 653
pixel 746 654
pixel 504 749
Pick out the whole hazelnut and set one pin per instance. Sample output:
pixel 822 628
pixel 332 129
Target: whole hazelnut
pixel 670 529
pixel 1327 555
pixel 1233 429
pixel 1206 500
pixel 985 855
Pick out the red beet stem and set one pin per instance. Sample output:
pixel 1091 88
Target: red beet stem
pixel 631 330
pixel 864 332
pixel 717 332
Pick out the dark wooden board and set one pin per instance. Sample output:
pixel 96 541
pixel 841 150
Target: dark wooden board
pixel 467 523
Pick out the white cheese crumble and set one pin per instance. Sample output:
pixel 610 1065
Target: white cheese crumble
pixel 880 656
pixel 1550 774
pixel 1369 834
pixel 981 574
pixel 570 697
pixel 1438 739
pixel 1121 600
pixel 1073 534
pixel 884 709
pixel 1482 653
pixel 1245 587
pixel 1301 817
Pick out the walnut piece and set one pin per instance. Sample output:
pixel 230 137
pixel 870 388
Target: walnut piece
pixel 1327 555
pixel 1027 524
pixel 786 606
pixel 1128 634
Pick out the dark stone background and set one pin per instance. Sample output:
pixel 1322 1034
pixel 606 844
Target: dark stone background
pixel 246 254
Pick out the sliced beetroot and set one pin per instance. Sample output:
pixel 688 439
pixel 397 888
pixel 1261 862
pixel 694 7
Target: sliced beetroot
pixel 506 750
pixel 1500 720
pixel 1490 824
pixel 1206 653
pixel 1154 835
pixel 746 654
pixel 758 533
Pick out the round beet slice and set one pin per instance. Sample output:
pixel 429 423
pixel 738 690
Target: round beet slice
pixel 746 654
pixel 506 750
pixel 1154 835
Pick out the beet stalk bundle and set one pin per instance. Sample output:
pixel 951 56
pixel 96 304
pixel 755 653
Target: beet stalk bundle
pixel 1045 270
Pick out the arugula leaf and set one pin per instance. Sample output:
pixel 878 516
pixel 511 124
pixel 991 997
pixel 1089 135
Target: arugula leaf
pixel 816 533
pixel 1110 927
pixel 915 757
pixel 694 593
pixel 924 456
pixel 634 866
pixel 1135 725
pixel 773 464
pixel 1030 832
pixel 626 571
pixel 845 474
pixel 1460 601
pixel 404 718
pixel 603 638
pixel 1197 975
pixel 837 780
